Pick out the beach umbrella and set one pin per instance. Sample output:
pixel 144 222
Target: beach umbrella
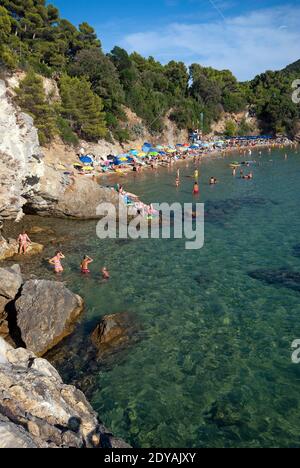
pixel 134 152
pixel 142 154
pixel 86 160
pixel 159 147
pixel 153 153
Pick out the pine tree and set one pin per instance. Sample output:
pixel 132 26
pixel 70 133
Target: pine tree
pixel 82 108
pixel 32 99
pixel 6 55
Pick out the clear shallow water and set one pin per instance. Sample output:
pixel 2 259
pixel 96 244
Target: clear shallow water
pixel 213 367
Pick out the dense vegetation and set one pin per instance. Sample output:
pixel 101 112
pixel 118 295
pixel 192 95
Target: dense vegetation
pixel 95 87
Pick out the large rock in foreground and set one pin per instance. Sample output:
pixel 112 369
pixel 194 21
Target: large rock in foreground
pixel 10 281
pixel 10 284
pixel 46 313
pixel 38 411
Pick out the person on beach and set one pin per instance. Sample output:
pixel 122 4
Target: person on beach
pixel 105 273
pixel 84 266
pixel 56 262
pixel 23 241
pixel 196 189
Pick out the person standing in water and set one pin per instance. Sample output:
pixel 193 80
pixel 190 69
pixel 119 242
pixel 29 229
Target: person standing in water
pixel 196 189
pixel 56 262
pixel 196 174
pixel 85 264
pixel 105 273
pixel 234 172
pixel 23 241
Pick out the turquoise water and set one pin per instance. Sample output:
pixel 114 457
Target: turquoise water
pixel 213 365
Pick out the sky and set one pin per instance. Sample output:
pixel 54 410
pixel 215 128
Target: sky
pixel 248 37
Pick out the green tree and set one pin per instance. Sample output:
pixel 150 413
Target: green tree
pixel 82 108
pixel 7 57
pixel 231 129
pixel 32 99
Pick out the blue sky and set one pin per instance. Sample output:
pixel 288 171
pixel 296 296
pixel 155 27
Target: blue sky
pixel 248 36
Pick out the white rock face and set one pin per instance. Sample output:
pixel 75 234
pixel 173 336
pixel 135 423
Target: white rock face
pixel 21 165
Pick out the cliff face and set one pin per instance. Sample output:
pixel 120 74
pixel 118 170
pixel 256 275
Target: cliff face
pixel 21 163
pixel 28 178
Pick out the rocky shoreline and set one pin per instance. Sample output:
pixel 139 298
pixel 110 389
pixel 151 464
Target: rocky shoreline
pixel 37 410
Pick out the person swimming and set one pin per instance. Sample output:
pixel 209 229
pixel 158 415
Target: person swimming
pixel 84 266
pixel 213 181
pixel 23 241
pixel 105 273
pixel 56 262
pixel 248 177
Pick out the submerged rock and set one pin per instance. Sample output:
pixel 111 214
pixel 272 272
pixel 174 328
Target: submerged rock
pixel 114 331
pixel 282 277
pixel 218 212
pixel 296 250
pixel 37 410
pixel 46 312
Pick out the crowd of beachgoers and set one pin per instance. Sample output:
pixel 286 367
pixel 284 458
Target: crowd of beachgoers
pixel 151 157
pixel 154 156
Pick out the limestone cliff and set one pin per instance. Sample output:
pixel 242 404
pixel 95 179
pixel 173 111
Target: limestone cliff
pixel 21 161
pixel 29 182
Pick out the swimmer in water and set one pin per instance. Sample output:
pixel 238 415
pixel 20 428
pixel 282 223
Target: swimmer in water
pixel 105 273
pixel 56 262
pixel 196 189
pixel 234 172
pixel 196 174
pixel 84 266
pixel 177 183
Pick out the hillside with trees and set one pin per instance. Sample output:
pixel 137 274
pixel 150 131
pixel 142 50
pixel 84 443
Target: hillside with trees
pixel 96 87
